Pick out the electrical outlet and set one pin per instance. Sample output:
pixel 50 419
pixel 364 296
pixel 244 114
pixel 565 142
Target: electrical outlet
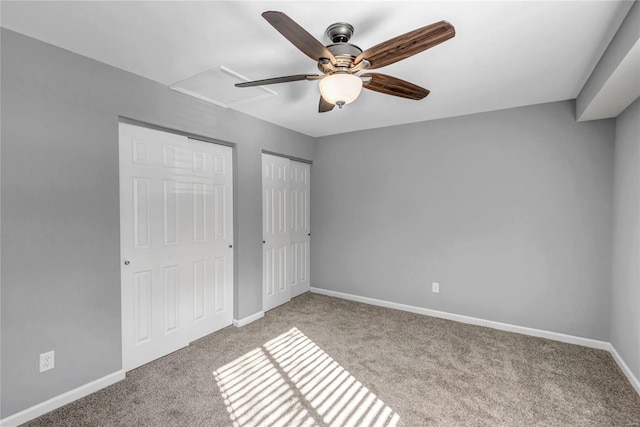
pixel 47 361
pixel 435 287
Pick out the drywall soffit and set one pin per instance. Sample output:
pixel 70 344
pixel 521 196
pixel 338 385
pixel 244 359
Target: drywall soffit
pixel 619 91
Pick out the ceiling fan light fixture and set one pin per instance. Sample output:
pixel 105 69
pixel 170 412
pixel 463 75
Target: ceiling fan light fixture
pixel 340 88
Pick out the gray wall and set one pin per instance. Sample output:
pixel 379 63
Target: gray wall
pixel 625 288
pixel 60 214
pixel 511 211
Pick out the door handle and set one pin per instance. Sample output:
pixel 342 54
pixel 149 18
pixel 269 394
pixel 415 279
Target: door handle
pixel 264 241
pixel 230 246
pixel 126 262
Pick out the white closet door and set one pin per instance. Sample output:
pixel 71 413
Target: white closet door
pixel 176 232
pixel 213 243
pixel 275 228
pixel 300 231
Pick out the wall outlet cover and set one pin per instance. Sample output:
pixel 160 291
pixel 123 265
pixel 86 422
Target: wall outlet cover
pixel 47 361
pixel 435 287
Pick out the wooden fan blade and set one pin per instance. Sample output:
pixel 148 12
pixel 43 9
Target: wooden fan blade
pixel 275 80
pixel 325 105
pixel 393 86
pixel 406 45
pixel 297 35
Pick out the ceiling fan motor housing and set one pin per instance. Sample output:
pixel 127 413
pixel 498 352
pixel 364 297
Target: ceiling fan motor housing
pixel 343 51
pixel 344 54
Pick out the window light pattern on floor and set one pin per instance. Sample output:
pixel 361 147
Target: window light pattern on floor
pixel 290 381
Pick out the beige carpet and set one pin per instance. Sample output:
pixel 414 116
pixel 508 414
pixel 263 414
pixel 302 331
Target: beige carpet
pixel 290 381
pixel 324 361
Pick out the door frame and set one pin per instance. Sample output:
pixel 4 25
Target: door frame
pixel 295 159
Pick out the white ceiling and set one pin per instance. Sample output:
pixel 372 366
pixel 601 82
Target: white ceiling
pixel 505 53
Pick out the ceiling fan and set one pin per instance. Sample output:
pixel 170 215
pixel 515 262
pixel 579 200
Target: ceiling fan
pixel 340 61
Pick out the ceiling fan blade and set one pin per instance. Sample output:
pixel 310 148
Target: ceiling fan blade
pixel 324 105
pixel 406 45
pixel 297 35
pixel 393 86
pixel 275 80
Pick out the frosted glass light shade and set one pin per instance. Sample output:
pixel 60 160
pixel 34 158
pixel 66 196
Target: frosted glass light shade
pixel 340 89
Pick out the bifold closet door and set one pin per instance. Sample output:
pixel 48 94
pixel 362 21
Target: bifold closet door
pixel 176 241
pixel 286 230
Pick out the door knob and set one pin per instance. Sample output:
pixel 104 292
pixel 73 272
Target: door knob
pixel 264 241
pixel 126 262
pixel 230 246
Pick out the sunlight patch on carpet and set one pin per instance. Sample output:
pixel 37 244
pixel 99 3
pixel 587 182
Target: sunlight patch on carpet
pixel 290 381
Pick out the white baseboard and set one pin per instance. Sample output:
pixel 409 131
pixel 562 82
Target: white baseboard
pixel 61 400
pixel 625 368
pixel 245 321
pixel 556 336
